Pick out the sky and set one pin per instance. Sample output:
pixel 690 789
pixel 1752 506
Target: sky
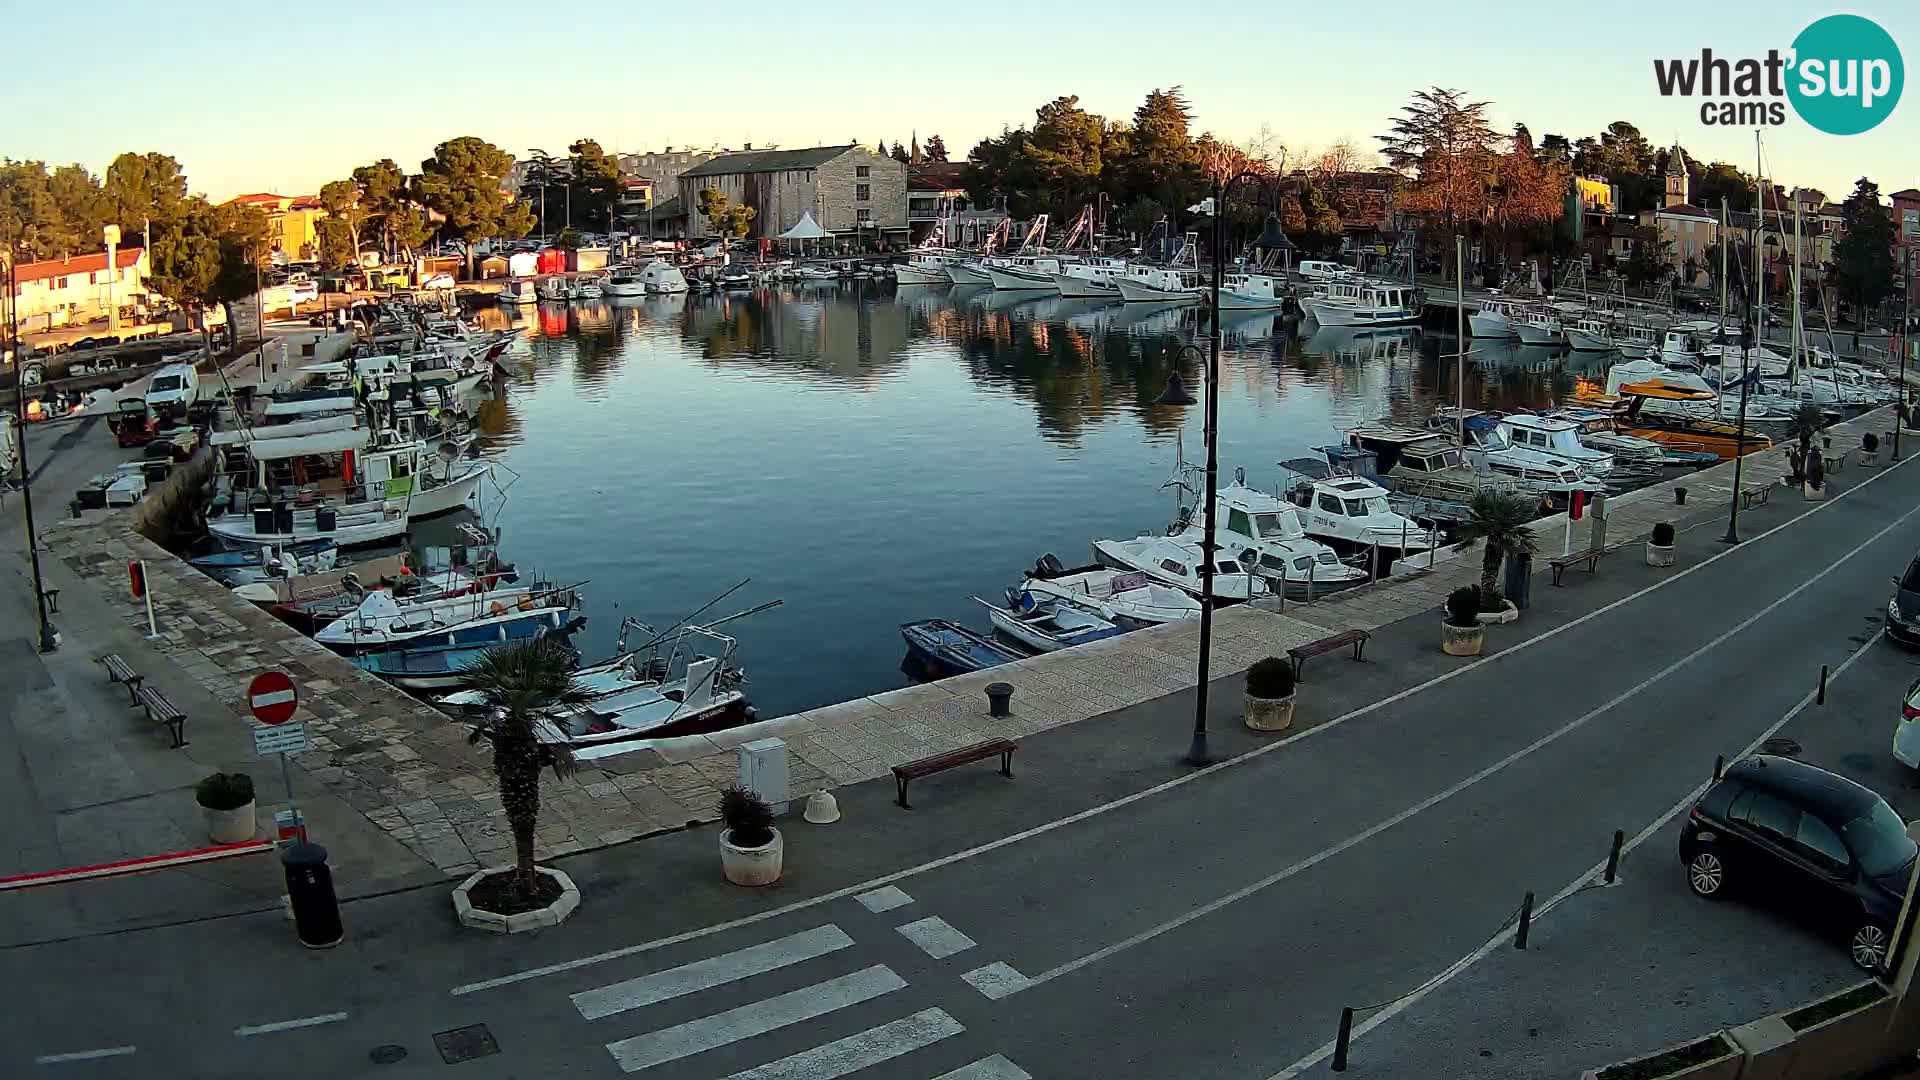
pixel 253 97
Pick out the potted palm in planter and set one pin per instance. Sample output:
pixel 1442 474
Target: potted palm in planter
pixel 227 799
pixel 1660 545
pixel 519 680
pixel 1804 425
pixel 1500 520
pixel 751 850
pixel 1270 695
pixel 1461 632
pixel 1869 450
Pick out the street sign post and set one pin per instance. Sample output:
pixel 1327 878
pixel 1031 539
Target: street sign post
pixel 273 699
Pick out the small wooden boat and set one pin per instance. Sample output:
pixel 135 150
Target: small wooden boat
pixel 441 667
pixel 1045 624
pixel 947 648
pixel 1124 597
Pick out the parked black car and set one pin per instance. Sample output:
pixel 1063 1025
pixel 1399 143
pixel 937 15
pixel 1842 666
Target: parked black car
pixel 1811 840
pixel 1903 609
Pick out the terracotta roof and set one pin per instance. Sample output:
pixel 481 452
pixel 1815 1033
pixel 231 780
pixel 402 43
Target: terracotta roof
pixel 1910 193
pixel 83 264
pixel 1685 210
pixel 763 161
pixel 305 202
pixel 257 198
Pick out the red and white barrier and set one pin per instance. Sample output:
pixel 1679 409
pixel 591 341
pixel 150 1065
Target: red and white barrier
pixel 135 866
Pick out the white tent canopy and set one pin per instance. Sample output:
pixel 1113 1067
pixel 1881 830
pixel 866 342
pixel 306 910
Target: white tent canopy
pixel 806 229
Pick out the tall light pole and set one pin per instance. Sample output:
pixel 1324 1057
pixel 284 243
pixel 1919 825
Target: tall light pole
pixel 1197 752
pixel 48 642
pixel 1906 333
pixel 1748 332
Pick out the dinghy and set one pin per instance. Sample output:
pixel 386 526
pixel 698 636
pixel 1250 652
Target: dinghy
pixel 1045 624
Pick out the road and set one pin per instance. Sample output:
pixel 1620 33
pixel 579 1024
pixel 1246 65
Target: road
pixel 1214 927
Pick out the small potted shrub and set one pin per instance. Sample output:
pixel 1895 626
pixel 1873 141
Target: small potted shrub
pixel 1869 450
pixel 1270 694
pixel 1660 545
pixel 1460 631
pixel 750 847
pixel 227 799
pixel 1815 486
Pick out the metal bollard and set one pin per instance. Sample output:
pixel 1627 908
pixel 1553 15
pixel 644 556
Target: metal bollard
pixel 1613 856
pixel 1526 922
pixel 316 913
pixel 999 699
pixel 1821 697
pixel 1341 1040
pixel 1719 765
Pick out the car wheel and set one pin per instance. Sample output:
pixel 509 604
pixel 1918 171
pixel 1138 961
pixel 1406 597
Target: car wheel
pixel 1706 875
pixel 1868 947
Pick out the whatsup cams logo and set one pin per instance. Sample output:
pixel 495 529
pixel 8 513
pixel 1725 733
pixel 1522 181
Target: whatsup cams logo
pixel 1843 75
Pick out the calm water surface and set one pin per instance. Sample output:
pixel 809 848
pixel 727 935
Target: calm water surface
pixel 874 456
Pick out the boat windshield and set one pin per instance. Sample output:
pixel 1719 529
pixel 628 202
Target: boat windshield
pixel 1376 504
pixel 1276 526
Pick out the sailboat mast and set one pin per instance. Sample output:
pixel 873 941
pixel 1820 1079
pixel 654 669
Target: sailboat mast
pixel 1793 364
pixel 1759 221
pixel 1460 334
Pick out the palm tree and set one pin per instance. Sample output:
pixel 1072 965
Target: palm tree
pixel 519 680
pixel 1501 520
pixel 1806 423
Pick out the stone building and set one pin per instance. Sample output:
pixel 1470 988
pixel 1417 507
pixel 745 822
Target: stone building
pixel 851 192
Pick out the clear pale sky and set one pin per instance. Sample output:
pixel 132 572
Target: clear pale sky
pixel 257 97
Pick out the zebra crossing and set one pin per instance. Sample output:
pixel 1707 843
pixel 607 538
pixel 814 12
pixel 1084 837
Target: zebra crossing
pixel 628 1000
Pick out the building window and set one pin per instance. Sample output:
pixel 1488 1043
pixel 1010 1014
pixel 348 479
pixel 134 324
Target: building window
pixel 93 277
pixel 862 192
pixel 865 215
pixel 863 170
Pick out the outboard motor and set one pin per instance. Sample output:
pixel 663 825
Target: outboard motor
pixel 1048 566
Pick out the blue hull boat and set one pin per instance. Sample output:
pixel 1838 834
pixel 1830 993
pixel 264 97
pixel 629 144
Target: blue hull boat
pixel 441 665
pixel 227 560
pixel 947 648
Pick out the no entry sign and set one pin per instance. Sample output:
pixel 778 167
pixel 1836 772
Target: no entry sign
pixel 272 698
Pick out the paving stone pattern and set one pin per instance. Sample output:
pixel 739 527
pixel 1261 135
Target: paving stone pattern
pixel 412 772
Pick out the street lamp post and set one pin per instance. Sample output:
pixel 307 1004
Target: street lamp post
pixel 1906 333
pixel 48 642
pixel 1197 751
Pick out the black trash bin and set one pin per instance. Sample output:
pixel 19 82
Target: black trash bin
pixel 283 518
pixel 263 520
pixel 1518 585
pixel 316 913
pixel 325 518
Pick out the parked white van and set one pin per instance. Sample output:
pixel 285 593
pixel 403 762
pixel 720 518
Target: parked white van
pixel 174 386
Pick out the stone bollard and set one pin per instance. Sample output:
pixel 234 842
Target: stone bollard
pixel 999 699
pixel 1679 496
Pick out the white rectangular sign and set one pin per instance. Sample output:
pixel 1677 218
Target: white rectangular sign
pixel 279 739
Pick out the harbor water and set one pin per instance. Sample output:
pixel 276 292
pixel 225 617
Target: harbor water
pixel 875 455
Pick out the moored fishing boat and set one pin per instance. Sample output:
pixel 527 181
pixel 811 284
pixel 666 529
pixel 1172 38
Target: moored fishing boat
pixel 1047 623
pixel 947 648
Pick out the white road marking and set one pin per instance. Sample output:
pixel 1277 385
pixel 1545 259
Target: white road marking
pixel 711 972
pixel 1503 936
pixel 936 937
pixel 884 899
pixel 996 1067
pixel 856 1052
pixel 83 1055
pixel 997 980
pixel 1128 800
pixel 1439 797
pixel 289 1025
pixel 757 1018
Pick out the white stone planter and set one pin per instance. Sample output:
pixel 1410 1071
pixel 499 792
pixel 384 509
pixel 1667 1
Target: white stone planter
pixel 1506 614
pixel 1269 714
pixel 1869 459
pixel 1461 640
pixel 481 919
pixel 1813 494
pixel 230 826
pixel 752 866
pixel 1659 556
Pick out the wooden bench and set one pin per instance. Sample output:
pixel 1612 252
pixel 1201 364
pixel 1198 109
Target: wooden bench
pixel 1301 653
pixel 1755 495
pixel 162 711
pixel 1590 556
pixel 119 672
pixel 927 766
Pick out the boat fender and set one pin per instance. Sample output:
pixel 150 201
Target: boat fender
pixel 496 608
pixel 526 603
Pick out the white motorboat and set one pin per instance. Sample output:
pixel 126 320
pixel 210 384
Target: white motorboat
pixel 1355 514
pixel 1559 438
pixel 661 276
pixel 555 289
pixel 383 621
pixel 268 526
pixel 1420 464
pixel 1252 292
pixel 1541 326
pixel 1631 453
pixel 1124 596
pixel 625 281
pixel 519 291
pixel 1267 532
pixel 1591 333
pixel 1371 304
pixel 1046 623
pixel 1497 317
pixel 1162 285
pixel 925 266
pixel 1091 279
pixel 585 288
pixel 1488 448
pixel 1025 272
pixel 969 272
pixel 1178 562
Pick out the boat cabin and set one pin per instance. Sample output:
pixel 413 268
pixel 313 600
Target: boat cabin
pixel 1553 436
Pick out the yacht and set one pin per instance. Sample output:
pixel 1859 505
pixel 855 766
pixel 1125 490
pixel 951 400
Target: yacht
pixel 1093 279
pixel 1497 317
pixel 1178 562
pixel 625 281
pixel 662 276
pixel 1372 304
pixel 1267 533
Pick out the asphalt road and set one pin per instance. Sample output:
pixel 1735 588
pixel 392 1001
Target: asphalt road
pixel 1212 929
